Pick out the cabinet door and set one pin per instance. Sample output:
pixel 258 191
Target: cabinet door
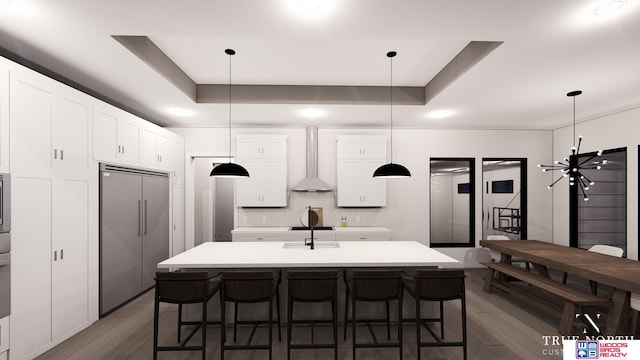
pixel 167 151
pixel 374 191
pixel 149 148
pixel 70 266
pixel 31 114
pixel 250 190
pixel 105 135
pixel 71 134
pixel 32 257
pixel 274 192
pixel 274 148
pixel 4 116
pixel 129 140
pixel 348 186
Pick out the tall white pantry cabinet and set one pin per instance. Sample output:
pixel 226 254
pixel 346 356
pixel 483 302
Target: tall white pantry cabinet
pixel 56 138
pixel 50 126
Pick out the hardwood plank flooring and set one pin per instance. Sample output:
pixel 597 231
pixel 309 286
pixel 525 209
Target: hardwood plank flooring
pixel 498 327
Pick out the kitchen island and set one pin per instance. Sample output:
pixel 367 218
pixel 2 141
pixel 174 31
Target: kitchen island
pixel 278 254
pixel 219 256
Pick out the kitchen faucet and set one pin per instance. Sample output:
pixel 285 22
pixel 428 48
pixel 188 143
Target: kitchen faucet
pixel 310 222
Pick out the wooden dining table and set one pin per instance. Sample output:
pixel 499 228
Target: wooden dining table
pixel 622 274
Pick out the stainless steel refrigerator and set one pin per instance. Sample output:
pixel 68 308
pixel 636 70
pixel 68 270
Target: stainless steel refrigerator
pixel 134 232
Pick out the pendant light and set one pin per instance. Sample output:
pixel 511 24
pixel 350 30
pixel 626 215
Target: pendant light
pixel 572 166
pixel 229 169
pixel 391 170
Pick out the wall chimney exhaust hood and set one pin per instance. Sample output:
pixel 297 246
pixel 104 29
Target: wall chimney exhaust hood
pixel 311 183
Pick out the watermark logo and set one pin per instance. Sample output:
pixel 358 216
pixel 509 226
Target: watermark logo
pixel 587 349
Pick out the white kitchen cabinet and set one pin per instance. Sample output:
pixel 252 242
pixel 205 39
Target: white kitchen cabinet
pixel 265 158
pixel 116 135
pixel 299 236
pixel 158 148
pixel 4 116
pixel 363 233
pixel 357 158
pixel 4 337
pixel 261 146
pixel 50 127
pixel 260 235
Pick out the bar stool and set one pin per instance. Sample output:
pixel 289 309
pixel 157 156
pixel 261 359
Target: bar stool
pixel 188 287
pixel 373 285
pixel 249 286
pixel 312 286
pixel 437 285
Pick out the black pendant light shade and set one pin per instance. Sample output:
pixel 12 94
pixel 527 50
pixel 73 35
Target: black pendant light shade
pixel 229 170
pixel 391 170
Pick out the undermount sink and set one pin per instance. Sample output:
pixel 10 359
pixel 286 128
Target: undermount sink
pixel 317 228
pixel 317 245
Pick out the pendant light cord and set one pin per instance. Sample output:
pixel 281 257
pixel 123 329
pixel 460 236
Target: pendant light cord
pixel 230 108
pixel 574 121
pixel 391 106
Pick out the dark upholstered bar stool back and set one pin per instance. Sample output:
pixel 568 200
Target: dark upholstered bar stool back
pixel 438 285
pixel 188 287
pixel 373 285
pixel 312 286
pixel 250 286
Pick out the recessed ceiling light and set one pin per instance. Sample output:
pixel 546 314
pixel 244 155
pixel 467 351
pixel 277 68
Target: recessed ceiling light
pixel 180 112
pixel 609 7
pixel 310 4
pixel 312 113
pixel 439 114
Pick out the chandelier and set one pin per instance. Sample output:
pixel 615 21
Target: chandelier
pixel 573 166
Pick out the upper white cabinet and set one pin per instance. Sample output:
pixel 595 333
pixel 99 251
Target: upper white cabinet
pixel 159 148
pixel 261 146
pixel 116 135
pixel 4 116
pixel 265 158
pixel 358 157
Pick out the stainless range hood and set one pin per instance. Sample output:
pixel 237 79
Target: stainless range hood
pixel 311 183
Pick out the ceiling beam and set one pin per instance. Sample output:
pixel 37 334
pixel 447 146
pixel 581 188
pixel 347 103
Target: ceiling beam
pixel 468 57
pixel 308 94
pixel 147 51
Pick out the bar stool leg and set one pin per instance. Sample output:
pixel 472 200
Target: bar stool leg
pixel 418 323
pixel 271 328
pixel 334 307
pixel 204 328
pixel 346 312
pixel 353 325
pixel 155 325
pixel 235 321
pixel 223 335
pixel 442 320
pixel 289 326
pixel 388 322
pixel 278 314
pixel 179 321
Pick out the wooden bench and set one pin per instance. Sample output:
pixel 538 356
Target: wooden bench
pixel 574 299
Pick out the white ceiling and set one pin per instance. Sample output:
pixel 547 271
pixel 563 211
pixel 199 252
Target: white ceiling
pixel 550 48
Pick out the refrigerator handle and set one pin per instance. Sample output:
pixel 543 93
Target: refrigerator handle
pixel 145 217
pixel 139 218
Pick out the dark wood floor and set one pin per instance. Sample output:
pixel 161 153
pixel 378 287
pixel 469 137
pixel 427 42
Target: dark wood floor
pixel 499 327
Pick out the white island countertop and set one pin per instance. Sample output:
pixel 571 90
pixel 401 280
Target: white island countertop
pixel 225 255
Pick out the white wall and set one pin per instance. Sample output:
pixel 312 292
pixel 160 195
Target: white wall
pixel 407 210
pixel 612 131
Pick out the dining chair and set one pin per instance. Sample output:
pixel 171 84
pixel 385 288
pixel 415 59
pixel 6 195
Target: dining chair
pixel 495 255
pixel 635 307
pixel 184 287
pixel 600 249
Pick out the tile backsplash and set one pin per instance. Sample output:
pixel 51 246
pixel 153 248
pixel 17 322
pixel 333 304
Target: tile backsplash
pixel 298 201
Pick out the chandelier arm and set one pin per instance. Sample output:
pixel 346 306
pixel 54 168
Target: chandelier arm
pixel 584 194
pixel 555 182
pixel 587 160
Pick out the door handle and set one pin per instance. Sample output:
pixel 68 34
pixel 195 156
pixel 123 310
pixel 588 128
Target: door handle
pixel 61 254
pixel 55 256
pixel 61 154
pixel 145 217
pixel 55 153
pixel 139 218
